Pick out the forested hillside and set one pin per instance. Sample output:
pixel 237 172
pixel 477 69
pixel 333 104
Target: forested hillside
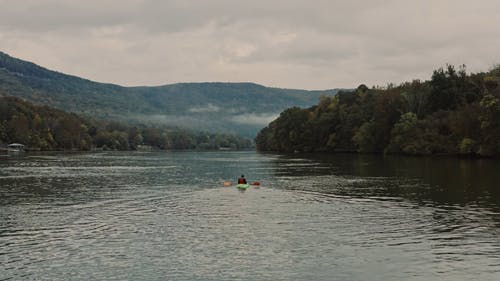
pixel 242 108
pixel 453 113
pixel 45 128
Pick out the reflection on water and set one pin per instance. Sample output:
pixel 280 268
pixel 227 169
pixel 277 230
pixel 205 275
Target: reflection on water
pixel 430 180
pixel 161 215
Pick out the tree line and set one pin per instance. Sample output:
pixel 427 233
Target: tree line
pixel 45 128
pixel 452 113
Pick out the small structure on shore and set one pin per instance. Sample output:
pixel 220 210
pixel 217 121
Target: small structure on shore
pixel 15 147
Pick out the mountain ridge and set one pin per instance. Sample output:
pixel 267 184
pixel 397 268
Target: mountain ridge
pixel 214 106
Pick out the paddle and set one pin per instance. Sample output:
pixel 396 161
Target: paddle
pixel 228 183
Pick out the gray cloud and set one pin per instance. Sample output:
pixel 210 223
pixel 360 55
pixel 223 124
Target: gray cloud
pixel 283 43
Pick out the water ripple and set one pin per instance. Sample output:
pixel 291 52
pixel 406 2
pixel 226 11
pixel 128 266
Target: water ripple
pixel 120 216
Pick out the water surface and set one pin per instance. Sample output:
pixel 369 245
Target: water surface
pixel 167 216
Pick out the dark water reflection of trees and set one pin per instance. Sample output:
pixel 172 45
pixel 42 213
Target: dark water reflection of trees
pixel 429 180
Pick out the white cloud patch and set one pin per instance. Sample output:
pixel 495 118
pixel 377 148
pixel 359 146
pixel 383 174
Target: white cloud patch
pixel 204 109
pixel 254 119
pixel 175 120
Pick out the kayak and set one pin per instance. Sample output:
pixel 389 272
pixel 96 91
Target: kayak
pixel 243 185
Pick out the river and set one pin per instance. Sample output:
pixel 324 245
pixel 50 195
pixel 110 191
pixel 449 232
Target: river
pixel 167 216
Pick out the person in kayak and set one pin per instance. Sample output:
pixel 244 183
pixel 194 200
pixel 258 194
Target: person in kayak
pixel 242 180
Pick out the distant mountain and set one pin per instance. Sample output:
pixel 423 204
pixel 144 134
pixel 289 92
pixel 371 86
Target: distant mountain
pixel 242 108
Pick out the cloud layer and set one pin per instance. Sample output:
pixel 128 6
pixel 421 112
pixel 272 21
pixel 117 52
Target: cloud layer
pixel 284 43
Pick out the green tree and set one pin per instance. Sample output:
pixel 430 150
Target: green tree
pixel 490 125
pixel 366 138
pixel 18 129
pixel 444 89
pixel 404 136
pixel 416 95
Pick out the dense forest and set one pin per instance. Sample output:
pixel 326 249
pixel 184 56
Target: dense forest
pixel 45 128
pixel 452 113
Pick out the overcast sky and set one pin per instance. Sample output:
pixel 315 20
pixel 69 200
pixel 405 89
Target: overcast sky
pixel 309 44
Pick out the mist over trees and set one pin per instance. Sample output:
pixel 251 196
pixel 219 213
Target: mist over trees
pixel 45 128
pixel 452 113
